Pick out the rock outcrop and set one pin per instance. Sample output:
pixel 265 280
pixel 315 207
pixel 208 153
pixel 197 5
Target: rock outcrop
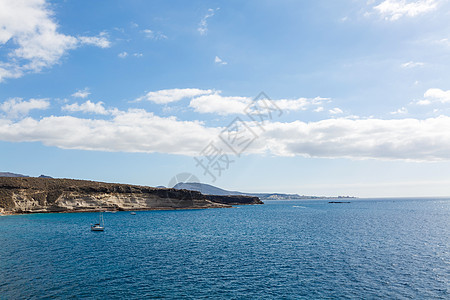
pixel 234 199
pixel 36 195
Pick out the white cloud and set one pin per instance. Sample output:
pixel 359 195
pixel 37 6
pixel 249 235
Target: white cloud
pixel 203 25
pixel 395 9
pixel 30 35
pixel 150 34
pixel 99 41
pixel 125 54
pixel 87 107
pixel 219 61
pixel 319 109
pixel 411 64
pixel 299 104
pixel 136 130
pixel 400 111
pixel 405 139
pixel 435 95
pixel 445 42
pixel 335 111
pixel 17 107
pixel 423 102
pixel 127 131
pixel 432 96
pixel 215 103
pixel 81 93
pixel 172 95
pixel 8 70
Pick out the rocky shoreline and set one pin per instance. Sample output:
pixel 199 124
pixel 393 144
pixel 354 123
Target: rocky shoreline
pixel 47 195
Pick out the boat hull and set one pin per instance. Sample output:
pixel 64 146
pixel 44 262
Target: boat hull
pixel 97 228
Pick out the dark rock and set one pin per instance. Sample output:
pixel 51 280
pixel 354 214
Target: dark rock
pixel 234 199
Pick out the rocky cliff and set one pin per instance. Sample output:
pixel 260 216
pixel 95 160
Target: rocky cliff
pixel 33 195
pixel 233 199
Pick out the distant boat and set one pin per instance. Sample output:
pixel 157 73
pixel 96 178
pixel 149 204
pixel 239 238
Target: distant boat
pixel 100 226
pixel 132 213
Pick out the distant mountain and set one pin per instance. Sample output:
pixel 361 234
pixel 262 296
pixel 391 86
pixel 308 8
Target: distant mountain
pixel 9 174
pixel 205 189
pixel 208 189
pixel 45 176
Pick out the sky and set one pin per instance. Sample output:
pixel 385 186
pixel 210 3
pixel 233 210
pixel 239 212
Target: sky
pixel 310 97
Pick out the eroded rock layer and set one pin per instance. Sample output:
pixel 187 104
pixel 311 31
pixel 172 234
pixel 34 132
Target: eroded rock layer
pixel 33 195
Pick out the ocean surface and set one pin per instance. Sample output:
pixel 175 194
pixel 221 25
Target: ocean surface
pixel 369 248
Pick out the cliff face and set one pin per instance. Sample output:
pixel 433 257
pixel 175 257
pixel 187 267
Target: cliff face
pixel 32 195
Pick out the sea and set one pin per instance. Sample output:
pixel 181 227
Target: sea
pixel 298 249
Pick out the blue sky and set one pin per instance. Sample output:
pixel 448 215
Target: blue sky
pixel 134 91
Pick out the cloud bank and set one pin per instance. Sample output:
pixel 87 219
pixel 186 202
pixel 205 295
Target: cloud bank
pixel 405 139
pixel 137 130
pixel 129 131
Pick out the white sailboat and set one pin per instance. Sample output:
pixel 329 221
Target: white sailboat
pixel 100 226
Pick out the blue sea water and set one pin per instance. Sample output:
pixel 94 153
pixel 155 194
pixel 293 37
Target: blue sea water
pixel 369 248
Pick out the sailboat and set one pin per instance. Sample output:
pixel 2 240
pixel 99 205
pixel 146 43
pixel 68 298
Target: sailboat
pixel 100 226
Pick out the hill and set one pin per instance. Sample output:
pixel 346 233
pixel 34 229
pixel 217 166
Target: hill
pixel 9 174
pixel 208 189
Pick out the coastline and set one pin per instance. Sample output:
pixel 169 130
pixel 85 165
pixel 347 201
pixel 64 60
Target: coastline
pixel 113 211
pixel 45 195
